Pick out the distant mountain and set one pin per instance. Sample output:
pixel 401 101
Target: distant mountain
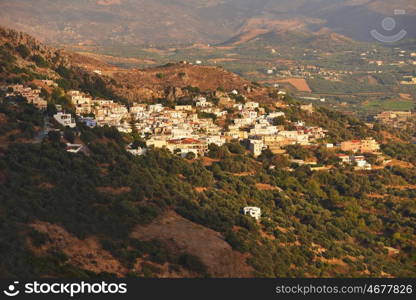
pixel 320 19
pixel 208 21
pixel 291 32
pixel 123 21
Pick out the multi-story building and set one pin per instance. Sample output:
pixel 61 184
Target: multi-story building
pixel 65 120
pixel 295 137
pixel 367 145
pixel 184 107
pixel 251 105
pixel 256 147
pixel 81 102
pixel 261 129
pixel 187 145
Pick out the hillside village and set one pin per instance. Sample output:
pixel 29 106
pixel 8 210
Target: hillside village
pixel 258 184
pixel 396 119
pixel 189 130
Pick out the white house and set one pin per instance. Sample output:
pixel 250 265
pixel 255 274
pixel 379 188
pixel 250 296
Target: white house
pixel 137 152
pixel 251 105
pixel 344 158
pixel 260 129
pixel 243 122
pixel 214 139
pixel 361 163
pixel 183 107
pixel 155 107
pixel 202 102
pixel 65 120
pixel 254 212
pixel 137 109
pixel 73 148
pixel 270 117
pixel 249 114
pixel 124 127
pixel 297 136
pixel 256 147
pixel 238 106
pixel 180 133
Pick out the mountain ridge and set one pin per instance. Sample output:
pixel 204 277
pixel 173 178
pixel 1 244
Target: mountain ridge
pixel 188 22
pixel 134 85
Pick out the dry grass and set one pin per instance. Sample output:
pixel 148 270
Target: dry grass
pixel 298 83
pixel 114 191
pixel 399 163
pixel 267 187
pixel 183 236
pixel 86 254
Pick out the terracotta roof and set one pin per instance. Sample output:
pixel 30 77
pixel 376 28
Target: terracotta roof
pixel 184 141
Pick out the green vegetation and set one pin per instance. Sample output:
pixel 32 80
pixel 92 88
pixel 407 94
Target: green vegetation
pixel 79 79
pixel 6 59
pixel 389 104
pixel 23 50
pixel 205 115
pixel 22 120
pixel 401 151
pixel 40 61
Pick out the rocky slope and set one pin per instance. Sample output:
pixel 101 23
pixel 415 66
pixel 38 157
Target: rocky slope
pixel 169 81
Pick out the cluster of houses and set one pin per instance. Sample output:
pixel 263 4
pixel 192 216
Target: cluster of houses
pixel 264 135
pixel 358 161
pixel 32 95
pixel 396 119
pixel 179 129
pixel 106 112
pixel 408 80
pixel 182 130
pixel 368 145
pixel 401 58
pixel 310 72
